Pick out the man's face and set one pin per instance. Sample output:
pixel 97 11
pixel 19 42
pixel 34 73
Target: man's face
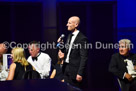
pixel 123 50
pixel 72 24
pixel 2 50
pixel 33 50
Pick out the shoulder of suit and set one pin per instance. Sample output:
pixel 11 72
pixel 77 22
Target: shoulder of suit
pixel 115 55
pixel 133 55
pixel 81 35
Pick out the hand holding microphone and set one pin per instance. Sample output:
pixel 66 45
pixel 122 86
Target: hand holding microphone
pixel 60 40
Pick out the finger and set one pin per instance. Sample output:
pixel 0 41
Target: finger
pixel 59 39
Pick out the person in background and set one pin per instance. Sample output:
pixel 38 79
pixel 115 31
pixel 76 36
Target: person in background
pixel 3 50
pixel 19 65
pixel 57 71
pixel 122 65
pixel 40 61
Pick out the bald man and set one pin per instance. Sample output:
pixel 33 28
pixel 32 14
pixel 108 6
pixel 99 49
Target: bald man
pixel 76 55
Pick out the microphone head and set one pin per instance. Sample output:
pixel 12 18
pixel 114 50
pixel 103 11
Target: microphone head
pixel 62 36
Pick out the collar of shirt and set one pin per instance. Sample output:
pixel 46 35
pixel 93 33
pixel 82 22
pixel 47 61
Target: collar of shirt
pixel 75 33
pixel 38 54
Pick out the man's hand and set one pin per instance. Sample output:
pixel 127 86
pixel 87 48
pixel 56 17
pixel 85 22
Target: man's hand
pixel 62 80
pixel 128 76
pixel 79 78
pixel 59 39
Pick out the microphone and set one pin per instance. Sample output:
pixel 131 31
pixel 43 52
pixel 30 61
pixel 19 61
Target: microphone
pixel 60 39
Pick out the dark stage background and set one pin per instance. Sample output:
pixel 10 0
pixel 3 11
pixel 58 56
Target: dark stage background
pixel 45 20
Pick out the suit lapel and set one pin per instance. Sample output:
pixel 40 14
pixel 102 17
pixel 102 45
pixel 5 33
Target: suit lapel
pixel 68 39
pixel 76 39
pixel 122 61
pixel 67 42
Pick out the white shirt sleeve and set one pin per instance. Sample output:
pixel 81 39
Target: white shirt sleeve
pixel 46 66
pixel 124 75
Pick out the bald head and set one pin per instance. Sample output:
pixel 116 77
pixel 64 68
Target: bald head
pixel 73 23
pixel 75 19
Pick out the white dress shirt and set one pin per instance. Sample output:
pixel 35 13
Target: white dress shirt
pixel 71 43
pixel 42 65
pixel 130 68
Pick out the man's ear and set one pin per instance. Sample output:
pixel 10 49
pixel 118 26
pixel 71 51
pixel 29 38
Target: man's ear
pixel 76 24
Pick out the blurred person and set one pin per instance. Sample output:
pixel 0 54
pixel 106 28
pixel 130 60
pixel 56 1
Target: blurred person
pixel 19 65
pixel 57 71
pixel 3 50
pixel 40 61
pixel 122 65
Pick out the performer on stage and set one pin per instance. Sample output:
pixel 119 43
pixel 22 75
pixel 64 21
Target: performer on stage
pixel 76 56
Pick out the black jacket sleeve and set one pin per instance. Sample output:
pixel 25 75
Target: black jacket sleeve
pixel 116 67
pixel 84 56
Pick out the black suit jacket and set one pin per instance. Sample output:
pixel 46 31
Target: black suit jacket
pixel 78 56
pixel 117 65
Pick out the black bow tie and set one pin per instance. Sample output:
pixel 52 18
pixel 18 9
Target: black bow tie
pixel 34 58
